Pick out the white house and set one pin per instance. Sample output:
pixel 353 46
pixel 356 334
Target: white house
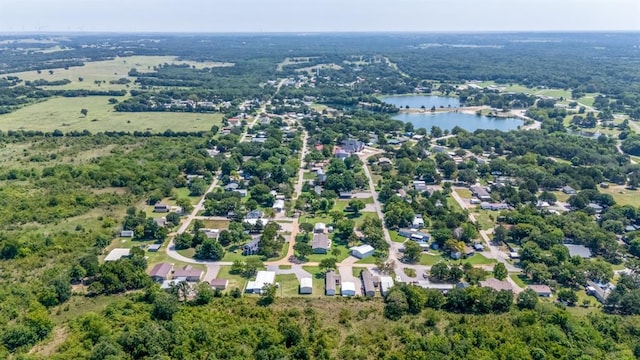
pixel 418 222
pixel 262 278
pixel 348 288
pixel 386 282
pixel 319 228
pixel 306 285
pixel 362 251
pixel 117 254
pixel 278 206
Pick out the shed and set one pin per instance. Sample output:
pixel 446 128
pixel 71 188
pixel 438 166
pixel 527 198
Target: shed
pixel 161 272
pixel 362 251
pixel 348 288
pixel 219 284
pixel 386 282
pixel 126 233
pixel 306 285
pixel 319 228
pixel 161 208
pixel 153 247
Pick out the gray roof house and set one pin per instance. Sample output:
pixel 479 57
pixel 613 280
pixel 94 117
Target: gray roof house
pixel 189 273
pixel 320 244
pixel 251 247
pixel 352 145
pixel 367 283
pixel 578 250
pixel 331 280
pixel 161 208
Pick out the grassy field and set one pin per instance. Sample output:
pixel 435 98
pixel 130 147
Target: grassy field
pixel 484 219
pixel 395 237
pixel 235 281
pixel 622 195
pixel 464 193
pixel 105 71
pixel 344 253
pixel 64 114
pixel 428 259
pixel 479 259
pixel 289 285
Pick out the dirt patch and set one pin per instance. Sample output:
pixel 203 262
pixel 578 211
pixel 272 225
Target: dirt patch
pixel 59 335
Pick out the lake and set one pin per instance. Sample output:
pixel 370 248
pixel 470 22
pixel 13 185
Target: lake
pixel 448 120
pixel 417 101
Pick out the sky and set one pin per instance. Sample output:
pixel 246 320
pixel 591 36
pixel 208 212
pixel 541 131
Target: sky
pixel 317 15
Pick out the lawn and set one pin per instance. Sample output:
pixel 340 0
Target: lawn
pixel 367 260
pixel 308 176
pixel 235 281
pixel 344 253
pixel 464 193
pixel 484 219
pixel 289 285
pixel 622 195
pixel 479 259
pixel 520 279
pixel 183 192
pixel 428 259
pixel 107 70
pixel 64 114
pixel 395 237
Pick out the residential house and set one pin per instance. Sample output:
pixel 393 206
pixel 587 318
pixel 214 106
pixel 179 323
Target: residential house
pixel 541 290
pixel 494 207
pixel 367 283
pixel 348 288
pixel 578 250
pixel 278 205
pixel 435 286
pixel 161 272
pixel 362 251
pixel 126 233
pixel 384 160
pixel 345 195
pixel 339 153
pixel 161 221
pixel 320 244
pixel 252 247
pixel 595 207
pixel 306 285
pixel 331 280
pixel 569 190
pixel 386 282
pixel 317 190
pixel 263 278
pixel 219 284
pixel 161 208
pixel 481 193
pixel 599 291
pixel 254 214
pixel 189 273
pixel 352 146
pixel 321 176
pixel 319 228
pixel 231 186
pixel 496 284
pixel 418 222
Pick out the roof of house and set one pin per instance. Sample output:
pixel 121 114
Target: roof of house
pixel 306 282
pixel 320 241
pixel 348 286
pixel 362 249
pixel 188 272
pixel 265 277
pixel 540 289
pixel 578 250
pixel 154 247
pixel 319 226
pixel 496 284
pixel 367 281
pixel 161 270
pixel 278 204
pixel 330 280
pixel 480 191
pixel 117 254
pixel 254 214
pixel 219 282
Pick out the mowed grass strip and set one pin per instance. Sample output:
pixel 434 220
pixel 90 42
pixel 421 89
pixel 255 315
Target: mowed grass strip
pixel 64 114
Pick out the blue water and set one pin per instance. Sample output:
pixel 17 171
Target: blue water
pixel 417 101
pixel 448 120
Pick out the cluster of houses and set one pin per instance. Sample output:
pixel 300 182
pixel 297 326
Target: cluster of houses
pixel 167 276
pixel 370 284
pixel 347 148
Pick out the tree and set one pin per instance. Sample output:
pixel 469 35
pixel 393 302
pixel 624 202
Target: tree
pixel 412 252
pixel 185 204
pixel 164 306
pixel 268 295
pixel 527 299
pixel 302 250
pixel 500 271
pixel 183 241
pixel 395 304
pixel 210 249
pixel 567 295
pixel 439 271
pixel 204 294
pixel 84 112
pixel 356 205
pixel 328 263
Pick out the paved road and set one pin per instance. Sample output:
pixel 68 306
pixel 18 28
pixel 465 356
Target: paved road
pixel 300 182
